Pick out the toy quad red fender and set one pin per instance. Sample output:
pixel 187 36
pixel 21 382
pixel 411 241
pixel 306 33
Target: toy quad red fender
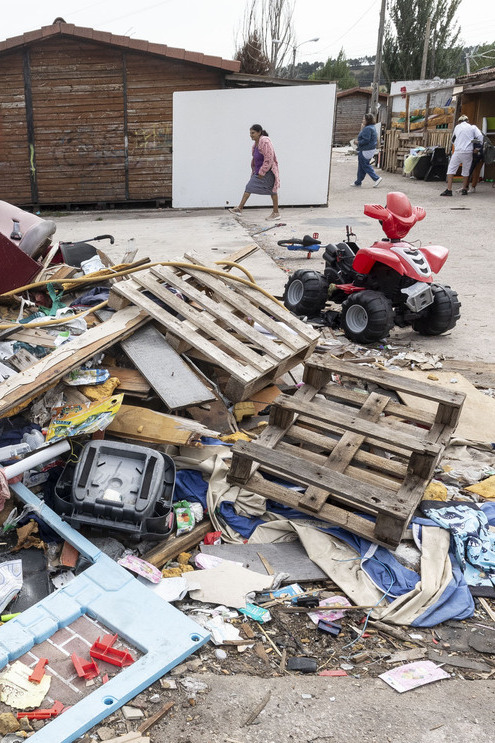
pixel 388 283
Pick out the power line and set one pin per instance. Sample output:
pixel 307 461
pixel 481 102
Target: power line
pixel 335 41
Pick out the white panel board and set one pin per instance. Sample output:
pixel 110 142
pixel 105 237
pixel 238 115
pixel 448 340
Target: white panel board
pixel 212 147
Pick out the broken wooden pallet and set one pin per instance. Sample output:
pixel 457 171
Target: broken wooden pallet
pixel 350 451
pixel 222 320
pixel 40 376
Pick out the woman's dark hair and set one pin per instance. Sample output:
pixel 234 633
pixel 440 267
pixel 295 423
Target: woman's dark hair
pixel 259 128
pixel 369 119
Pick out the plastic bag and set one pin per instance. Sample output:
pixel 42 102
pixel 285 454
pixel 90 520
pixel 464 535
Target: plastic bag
pixel 184 517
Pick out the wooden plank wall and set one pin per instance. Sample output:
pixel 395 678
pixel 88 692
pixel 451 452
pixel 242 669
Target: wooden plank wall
pixel 14 151
pixel 349 114
pixel 82 123
pixel 78 106
pixel 151 82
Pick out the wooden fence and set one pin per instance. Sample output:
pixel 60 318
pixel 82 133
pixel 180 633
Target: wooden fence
pixel 397 145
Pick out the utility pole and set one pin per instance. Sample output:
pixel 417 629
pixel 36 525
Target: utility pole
pixel 425 49
pixel 378 61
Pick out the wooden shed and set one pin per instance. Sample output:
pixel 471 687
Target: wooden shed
pixel 352 104
pixel 86 116
pixel 477 101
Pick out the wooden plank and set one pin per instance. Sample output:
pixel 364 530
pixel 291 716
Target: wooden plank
pixel 128 290
pixel 373 461
pixel 35 337
pixel 132 382
pixel 285 557
pixel 202 321
pixel 343 453
pixel 335 391
pixel 233 321
pixel 173 381
pixel 304 472
pixel 142 424
pixel 173 546
pixel 339 431
pixel 333 514
pixel 70 355
pixel 388 380
pixel 324 412
pixel 257 305
pixel 363 474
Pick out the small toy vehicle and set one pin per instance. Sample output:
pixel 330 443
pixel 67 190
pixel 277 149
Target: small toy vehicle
pixel 390 283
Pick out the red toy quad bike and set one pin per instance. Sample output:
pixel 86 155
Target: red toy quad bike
pixel 388 283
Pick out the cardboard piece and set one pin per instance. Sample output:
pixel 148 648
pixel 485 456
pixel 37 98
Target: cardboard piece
pixel 477 420
pixel 226 584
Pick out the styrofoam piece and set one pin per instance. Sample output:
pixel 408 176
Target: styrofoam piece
pixel 110 594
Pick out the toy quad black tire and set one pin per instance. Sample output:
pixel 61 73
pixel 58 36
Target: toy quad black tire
pixel 440 316
pixel 306 293
pixel 367 316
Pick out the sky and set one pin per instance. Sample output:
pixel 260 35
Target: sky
pixel 213 26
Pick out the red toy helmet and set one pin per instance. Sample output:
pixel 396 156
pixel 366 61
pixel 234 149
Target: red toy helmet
pixel 398 216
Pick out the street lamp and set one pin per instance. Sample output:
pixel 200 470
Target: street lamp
pixel 275 44
pixel 295 48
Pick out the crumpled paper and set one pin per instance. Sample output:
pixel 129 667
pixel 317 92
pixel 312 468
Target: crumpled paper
pixel 18 692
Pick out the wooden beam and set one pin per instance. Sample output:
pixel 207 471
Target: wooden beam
pixel 173 546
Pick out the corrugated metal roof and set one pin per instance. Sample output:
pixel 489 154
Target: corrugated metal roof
pixel 482 88
pixel 123 42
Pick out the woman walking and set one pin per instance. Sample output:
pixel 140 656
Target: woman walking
pixel 264 171
pixel 367 141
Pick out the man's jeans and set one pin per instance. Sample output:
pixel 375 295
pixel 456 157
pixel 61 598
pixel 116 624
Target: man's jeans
pixel 364 168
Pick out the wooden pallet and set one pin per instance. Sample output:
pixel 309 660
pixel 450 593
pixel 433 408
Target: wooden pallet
pixel 217 324
pixel 351 451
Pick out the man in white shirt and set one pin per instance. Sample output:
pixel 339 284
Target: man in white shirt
pixel 462 138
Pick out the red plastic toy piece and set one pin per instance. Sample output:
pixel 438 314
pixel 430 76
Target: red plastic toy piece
pixel 38 671
pixel 84 669
pixel 104 678
pixel 103 650
pixel 43 714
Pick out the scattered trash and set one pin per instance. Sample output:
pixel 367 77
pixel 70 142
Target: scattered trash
pixel 18 692
pixel 301 664
pixel 412 675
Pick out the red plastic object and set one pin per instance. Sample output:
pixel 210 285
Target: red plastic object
pixel 336 672
pixel 38 671
pixel 104 678
pixel 43 714
pixel 85 669
pixel 103 650
pixel 213 537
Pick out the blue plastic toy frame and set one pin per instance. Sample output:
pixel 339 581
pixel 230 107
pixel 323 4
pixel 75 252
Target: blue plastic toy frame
pixel 107 592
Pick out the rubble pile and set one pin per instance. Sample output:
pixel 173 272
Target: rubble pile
pixel 306 505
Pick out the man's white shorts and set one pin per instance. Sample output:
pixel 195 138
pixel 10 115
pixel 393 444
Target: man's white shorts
pixel 460 158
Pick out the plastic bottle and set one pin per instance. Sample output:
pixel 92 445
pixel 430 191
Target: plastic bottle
pixel 14 450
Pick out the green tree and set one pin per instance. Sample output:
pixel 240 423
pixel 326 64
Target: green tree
pixel 404 37
pixel 337 70
pixel 252 58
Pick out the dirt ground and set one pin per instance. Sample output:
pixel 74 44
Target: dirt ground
pixel 309 708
